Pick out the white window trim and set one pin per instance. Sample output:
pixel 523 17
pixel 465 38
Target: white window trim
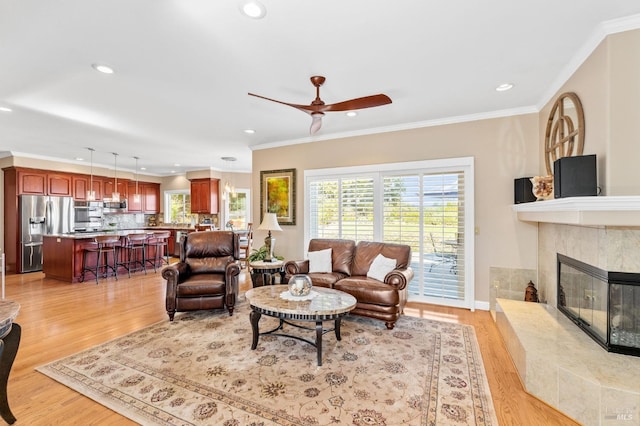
pixel 466 164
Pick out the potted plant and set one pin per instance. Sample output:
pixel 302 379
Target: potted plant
pixel 261 254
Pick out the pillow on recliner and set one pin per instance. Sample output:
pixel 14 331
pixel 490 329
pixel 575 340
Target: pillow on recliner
pixel 380 267
pixel 320 261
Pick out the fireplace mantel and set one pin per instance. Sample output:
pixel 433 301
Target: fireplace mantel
pixel 587 211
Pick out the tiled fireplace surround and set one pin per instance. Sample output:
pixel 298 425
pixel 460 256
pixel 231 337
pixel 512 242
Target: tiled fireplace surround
pixel 557 361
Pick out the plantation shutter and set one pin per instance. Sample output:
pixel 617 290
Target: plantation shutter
pixel 342 207
pixel 443 236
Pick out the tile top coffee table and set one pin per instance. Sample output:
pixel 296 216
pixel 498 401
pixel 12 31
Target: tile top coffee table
pixel 326 305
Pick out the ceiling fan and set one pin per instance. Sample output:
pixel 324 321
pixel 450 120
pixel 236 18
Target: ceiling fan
pixel 318 107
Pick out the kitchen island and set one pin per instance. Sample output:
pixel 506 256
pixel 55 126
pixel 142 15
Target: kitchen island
pixel 62 253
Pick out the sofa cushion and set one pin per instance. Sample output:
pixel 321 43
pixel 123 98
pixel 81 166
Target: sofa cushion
pixel 368 290
pixel 325 279
pixel 366 251
pixel 380 267
pixel 201 284
pixel 320 261
pixel 341 255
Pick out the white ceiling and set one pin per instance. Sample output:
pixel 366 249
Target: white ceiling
pixel 184 67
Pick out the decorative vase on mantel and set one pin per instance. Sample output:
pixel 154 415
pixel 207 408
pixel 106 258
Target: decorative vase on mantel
pixel 542 187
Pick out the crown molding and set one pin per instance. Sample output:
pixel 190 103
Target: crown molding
pixel 401 127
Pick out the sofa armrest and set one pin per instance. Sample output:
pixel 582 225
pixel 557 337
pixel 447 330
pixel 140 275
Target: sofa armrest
pixel 399 278
pixel 174 274
pixel 294 267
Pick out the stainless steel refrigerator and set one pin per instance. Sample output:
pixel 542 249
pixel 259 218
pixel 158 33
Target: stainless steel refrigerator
pixel 41 215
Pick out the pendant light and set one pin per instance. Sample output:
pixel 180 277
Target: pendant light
pixel 91 194
pixel 115 195
pixel 229 188
pixel 136 196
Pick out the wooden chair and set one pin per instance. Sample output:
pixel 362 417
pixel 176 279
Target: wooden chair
pixel 246 241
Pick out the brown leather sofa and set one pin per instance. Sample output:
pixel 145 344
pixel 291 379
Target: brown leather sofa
pixel 350 264
pixel 206 276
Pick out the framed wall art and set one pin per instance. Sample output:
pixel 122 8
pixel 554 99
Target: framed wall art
pixel 278 195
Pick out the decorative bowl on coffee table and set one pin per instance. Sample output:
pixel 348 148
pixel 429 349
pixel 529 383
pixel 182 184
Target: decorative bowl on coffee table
pixel 300 285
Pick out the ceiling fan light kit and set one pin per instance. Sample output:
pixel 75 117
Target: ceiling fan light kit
pixel 317 108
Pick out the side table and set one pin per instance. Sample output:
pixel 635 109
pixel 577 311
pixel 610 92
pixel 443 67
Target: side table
pixel 262 273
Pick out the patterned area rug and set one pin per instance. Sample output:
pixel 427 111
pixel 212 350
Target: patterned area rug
pixel 200 370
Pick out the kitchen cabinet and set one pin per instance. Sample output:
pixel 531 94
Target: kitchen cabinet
pixel 81 186
pixel 204 196
pixel 59 184
pixel 32 182
pixel 108 184
pixel 149 197
pixel 39 182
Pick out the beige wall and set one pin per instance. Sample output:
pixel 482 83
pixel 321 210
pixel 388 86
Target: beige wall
pixel 608 86
pixel 503 149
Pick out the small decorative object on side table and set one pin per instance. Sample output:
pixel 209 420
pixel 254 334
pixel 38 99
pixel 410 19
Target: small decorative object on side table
pixel 300 285
pixel 262 273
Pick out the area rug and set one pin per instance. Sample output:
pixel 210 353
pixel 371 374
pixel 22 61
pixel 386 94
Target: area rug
pixel 200 370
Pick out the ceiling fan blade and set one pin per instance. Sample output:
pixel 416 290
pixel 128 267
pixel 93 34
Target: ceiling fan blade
pixel 358 103
pixel 316 122
pixel 309 109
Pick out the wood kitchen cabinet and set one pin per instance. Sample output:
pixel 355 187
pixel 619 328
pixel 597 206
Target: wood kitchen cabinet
pixel 32 182
pixel 59 184
pixel 149 197
pixel 39 182
pixel 204 196
pixel 81 186
pixel 108 184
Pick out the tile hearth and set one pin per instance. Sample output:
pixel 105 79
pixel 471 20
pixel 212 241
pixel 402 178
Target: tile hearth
pixel 558 363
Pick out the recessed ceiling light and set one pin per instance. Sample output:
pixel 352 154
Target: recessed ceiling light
pixel 143 168
pixel 249 131
pixel 173 171
pixel 504 87
pixel 105 69
pixel 5 109
pixel 176 165
pixel 253 9
pixel 351 114
pixel 79 159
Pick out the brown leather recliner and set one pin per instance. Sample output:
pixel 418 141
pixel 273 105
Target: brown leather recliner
pixel 206 276
pixel 383 300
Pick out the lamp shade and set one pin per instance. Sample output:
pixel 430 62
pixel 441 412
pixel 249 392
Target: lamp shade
pixel 269 223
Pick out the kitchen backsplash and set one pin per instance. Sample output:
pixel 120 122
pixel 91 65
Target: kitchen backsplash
pixel 123 221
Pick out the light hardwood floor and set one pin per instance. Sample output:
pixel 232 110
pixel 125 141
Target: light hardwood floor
pixel 60 319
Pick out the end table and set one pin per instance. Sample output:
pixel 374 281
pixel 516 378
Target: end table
pixel 262 273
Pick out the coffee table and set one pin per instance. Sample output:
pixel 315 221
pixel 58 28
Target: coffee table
pixel 327 305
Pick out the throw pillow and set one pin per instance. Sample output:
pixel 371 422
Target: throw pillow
pixel 380 267
pixel 320 261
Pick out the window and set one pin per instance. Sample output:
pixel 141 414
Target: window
pixel 422 204
pixel 177 207
pixel 237 208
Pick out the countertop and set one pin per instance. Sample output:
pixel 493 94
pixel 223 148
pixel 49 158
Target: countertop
pixel 119 232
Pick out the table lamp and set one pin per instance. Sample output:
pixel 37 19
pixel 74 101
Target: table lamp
pixel 269 223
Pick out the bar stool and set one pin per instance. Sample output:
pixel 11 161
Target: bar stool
pixel 159 240
pixel 103 245
pixel 135 248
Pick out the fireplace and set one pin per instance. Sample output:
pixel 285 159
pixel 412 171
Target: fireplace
pixel 606 305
